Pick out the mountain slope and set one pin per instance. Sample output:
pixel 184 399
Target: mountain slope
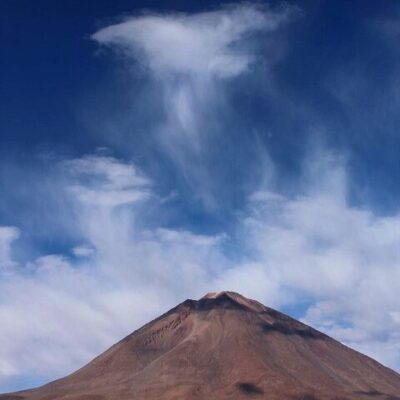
pixel 224 346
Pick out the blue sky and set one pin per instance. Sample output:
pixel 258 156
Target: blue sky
pixel 153 152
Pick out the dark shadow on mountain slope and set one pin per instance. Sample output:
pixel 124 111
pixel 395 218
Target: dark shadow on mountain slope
pixel 375 393
pixel 285 329
pixel 250 389
pixel 223 301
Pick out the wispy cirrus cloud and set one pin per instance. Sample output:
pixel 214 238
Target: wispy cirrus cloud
pixel 208 44
pixel 189 58
pixel 7 235
pixel 104 181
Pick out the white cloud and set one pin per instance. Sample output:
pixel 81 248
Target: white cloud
pixel 7 235
pixel 190 57
pixel 58 312
pixel 343 260
pixel 83 251
pixel 106 182
pixel 207 43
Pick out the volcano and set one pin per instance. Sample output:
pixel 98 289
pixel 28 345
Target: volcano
pixel 224 346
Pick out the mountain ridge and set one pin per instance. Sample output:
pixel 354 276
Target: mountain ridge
pixel 224 346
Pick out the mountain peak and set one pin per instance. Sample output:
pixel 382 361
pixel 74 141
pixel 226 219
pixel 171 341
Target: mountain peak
pixel 224 346
pixel 236 298
pixel 215 295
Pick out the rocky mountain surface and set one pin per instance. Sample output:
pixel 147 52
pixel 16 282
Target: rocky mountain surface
pixel 224 346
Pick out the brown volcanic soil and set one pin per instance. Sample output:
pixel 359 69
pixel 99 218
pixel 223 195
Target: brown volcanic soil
pixel 224 346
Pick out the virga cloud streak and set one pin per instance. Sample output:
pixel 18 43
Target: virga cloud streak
pixel 189 58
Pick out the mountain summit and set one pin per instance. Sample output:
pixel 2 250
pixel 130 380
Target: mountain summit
pixel 224 346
